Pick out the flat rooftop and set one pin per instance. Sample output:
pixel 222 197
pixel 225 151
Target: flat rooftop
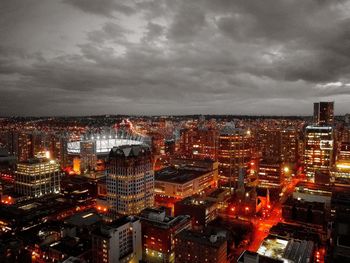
pixel 104 229
pixel 305 204
pixel 83 219
pixel 197 201
pixel 283 249
pixel 157 217
pixel 313 187
pixel 35 161
pixel 201 238
pixel 177 176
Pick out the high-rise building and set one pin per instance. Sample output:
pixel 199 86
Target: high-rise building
pixel 289 145
pixel 269 143
pixel 318 152
pixel 37 177
pixel 278 145
pixel 118 242
pixel 200 143
pixel 324 113
pixel 88 158
pixel 130 179
pixel 235 151
pixel 24 148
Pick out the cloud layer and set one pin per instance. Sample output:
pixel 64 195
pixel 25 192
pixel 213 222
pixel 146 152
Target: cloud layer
pixel 173 56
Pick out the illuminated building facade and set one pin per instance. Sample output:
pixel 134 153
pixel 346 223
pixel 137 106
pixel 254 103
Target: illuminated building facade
pixel 340 174
pixel 158 234
pixel 37 177
pixel 276 144
pixel 318 151
pixel 200 142
pixel 118 242
pixel 130 179
pixel 235 151
pixel 324 113
pixel 196 247
pixel 205 144
pixel 271 174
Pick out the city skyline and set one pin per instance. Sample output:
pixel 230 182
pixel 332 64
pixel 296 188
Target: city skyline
pixel 79 58
pixel 184 189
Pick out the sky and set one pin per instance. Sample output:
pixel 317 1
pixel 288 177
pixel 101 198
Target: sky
pixel 88 57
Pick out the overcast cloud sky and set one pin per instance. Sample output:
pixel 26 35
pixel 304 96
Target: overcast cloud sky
pixel 81 57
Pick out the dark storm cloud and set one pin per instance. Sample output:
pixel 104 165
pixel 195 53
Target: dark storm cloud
pixel 102 7
pixel 200 56
pixel 189 19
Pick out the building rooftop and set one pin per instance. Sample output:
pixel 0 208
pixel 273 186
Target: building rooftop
pixel 283 249
pixel 249 256
pixel 197 201
pixel 35 161
pixel 83 219
pixel 130 150
pixel 230 129
pixel 215 241
pixel 305 204
pixel 313 187
pixel 177 175
pixel 157 217
pixel 105 228
pixel 218 193
pixel 70 246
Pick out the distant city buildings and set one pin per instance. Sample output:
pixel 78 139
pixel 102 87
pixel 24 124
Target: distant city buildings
pixel 175 189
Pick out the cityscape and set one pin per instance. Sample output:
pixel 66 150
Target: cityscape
pixel 204 188
pixel 174 131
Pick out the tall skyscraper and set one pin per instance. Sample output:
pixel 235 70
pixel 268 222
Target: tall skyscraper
pixel 318 151
pixel 36 177
pixel 130 179
pixel 324 113
pixel 235 151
